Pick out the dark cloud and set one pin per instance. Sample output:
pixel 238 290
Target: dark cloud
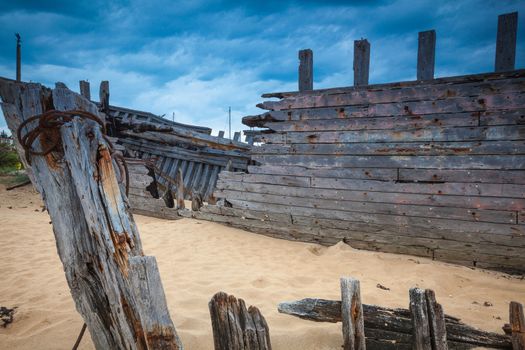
pixel 155 52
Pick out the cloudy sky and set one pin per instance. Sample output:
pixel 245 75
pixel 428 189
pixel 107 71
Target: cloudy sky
pixel 196 58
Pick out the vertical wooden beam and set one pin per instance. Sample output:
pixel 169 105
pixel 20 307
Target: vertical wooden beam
pixel 361 62
pixel 85 89
pixel 426 54
pixel 420 325
pixel 236 327
pixel 306 70
pixel 221 133
pixel 104 96
pixel 18 58
pixel 517 325
pixel 436 322
pixel 506 42
pixel 236 136
pixel 180 190
pixel 352 314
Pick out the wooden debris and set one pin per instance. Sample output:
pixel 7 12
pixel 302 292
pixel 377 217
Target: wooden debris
pixel 426 54
pixel 506 42
pixel 180 190
pixel 97 239
pixel 352 314
pixel 235 327
pixel 392 324
pixel 361 62
pixel 517 325
pixel 21 184
pixel 306 70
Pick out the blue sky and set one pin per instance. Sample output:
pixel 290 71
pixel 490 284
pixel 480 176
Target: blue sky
pixel 196 58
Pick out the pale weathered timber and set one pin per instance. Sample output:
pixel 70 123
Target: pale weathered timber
pixel 517 325
pixel 180 190
pixel 85 89
pixel 436 321
pixel 361 62
pixel 396 321
pixel 426 54
pixel 235 327
pixel 421 336
pixel 506 42
pixel 97 239
pixel 448 81
pixel 104 96
pixel 352 315
pixel 306 70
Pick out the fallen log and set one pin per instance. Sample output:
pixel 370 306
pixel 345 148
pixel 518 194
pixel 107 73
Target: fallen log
pixel 116 289
pixel 383 325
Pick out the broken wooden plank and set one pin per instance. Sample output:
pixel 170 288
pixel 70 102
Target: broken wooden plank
pixel 180 190
pixel 393 320
pixel 426 54
pixel 361 62
pixel 436 321
pixel 85 89
pixel 352 315
pixel 517 325
pixel 506 42
pixel 235 327
pixel 419 316
pixel 444 81
pixel 91 220
pixel 104 96
pixel 306 70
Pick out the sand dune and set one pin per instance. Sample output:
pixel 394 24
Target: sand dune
pixel 198 258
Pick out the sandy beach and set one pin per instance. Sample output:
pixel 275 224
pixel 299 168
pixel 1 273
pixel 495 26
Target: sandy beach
pixel 198 258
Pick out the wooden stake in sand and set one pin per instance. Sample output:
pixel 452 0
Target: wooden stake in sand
pixel 116 289
pixel 235 327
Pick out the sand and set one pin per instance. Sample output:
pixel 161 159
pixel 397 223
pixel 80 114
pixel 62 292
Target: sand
pixel 198 258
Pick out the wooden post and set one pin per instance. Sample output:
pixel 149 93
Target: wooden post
pixel 306 70
pixel 436 322
pixel 104 96
pixel 116 289
pixel 221 134
pixel 180 190
pixel 18 58
pixel 85 89
pixel 236 136
pixel 506 42
pixel 517 325
pixel 235 327
pixel 352 314
pixel 361 62
pixel 426 54
pixel 420 325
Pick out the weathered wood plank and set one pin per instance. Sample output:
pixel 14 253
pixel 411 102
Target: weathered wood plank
pixel 436 322
pixel 96 236
pixel 430 134
pixel 489 162
pixel 415 84
pixel 419 316
pixel 235 327
pixel 426 53
pixel 468 202
pixel 350 173
pixel 397 148
pixel 361 63
pixel 458 175
pixel 352 315
pixel 517 325
pixel 404 104
pixel 394 320
pixel 506 42
pixel 306 70
pixel 85 89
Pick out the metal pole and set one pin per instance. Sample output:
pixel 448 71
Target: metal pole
pixel 18 58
